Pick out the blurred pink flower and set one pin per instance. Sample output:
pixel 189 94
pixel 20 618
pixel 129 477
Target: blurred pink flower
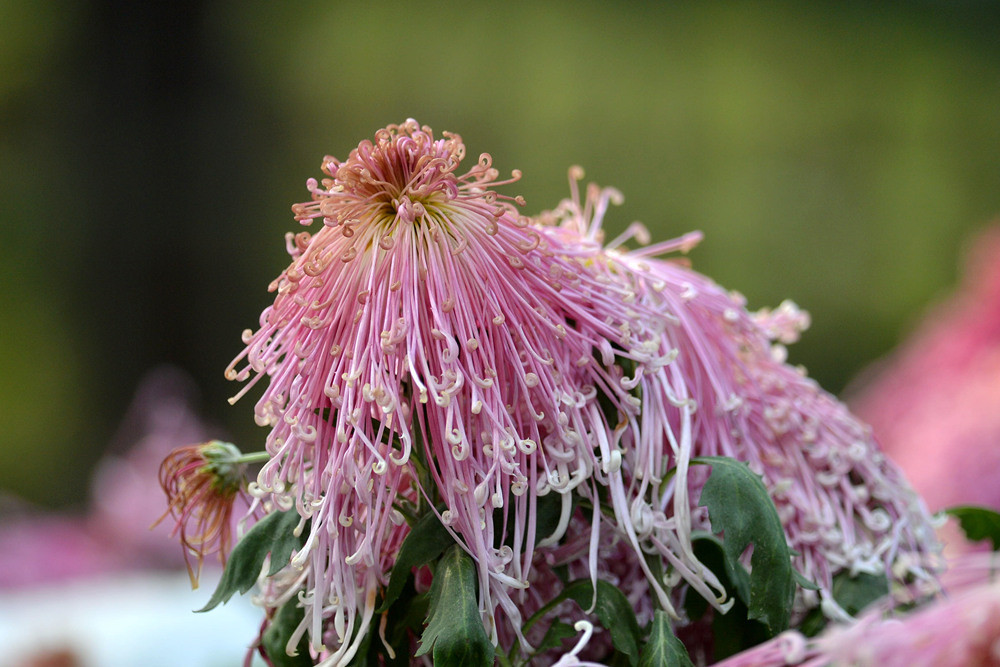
pixel 38 548
pixel 124 502
pixel 935 402
pixel 960 629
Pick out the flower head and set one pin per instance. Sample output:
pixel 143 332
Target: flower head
pixel 430 342
pixel 202 482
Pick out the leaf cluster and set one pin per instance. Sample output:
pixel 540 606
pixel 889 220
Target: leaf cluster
pixel 448 620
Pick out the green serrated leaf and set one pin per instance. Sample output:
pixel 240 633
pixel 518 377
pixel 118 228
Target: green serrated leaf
pixel 613 611
pixel 454 629
pixel 740 508
pixel 978 523
pixel 663 648
pixel 426 541
pixel 275 638
pixel 271 535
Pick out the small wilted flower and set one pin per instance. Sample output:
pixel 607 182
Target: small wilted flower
pixel 202 482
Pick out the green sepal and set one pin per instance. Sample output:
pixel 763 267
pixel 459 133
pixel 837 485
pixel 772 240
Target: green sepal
pixel 274 534
pixel 803 582
pixel 455 634
pixel 978 523
pixel 426 541
pixel 663 649
pixel 855 593
pixel 275 638
pixel 740 508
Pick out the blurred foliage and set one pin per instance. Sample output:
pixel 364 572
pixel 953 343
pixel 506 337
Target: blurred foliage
pixel 833 153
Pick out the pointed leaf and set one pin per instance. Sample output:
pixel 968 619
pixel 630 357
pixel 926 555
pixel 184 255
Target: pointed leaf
pixel 271 535
pixel 978 523
pixel 663 648
pixel 426 541
pixel 455 631
pixel 740 508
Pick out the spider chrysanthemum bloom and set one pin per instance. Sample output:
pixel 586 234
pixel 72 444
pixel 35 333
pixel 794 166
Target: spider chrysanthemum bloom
pixel 844 506
pixel 202 483
pixel 427 334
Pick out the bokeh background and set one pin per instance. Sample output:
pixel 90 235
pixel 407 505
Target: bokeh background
pixel 834 153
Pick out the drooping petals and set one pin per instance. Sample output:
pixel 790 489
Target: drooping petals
pixel 201 483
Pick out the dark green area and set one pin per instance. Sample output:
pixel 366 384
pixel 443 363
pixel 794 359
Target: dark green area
pixel 279 632
pixel 978 523
pixel 741 510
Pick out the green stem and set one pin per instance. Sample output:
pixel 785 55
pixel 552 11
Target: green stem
pixel 253 457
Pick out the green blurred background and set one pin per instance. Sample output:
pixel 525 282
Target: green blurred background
pixel 834 153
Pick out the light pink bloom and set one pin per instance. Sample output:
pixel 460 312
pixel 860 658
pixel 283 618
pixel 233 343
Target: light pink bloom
pixel 729 392
pixel 38 549
pixel 935 403
pixel 161 417
pixel 426 319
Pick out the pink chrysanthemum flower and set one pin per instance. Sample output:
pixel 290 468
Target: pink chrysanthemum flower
pixel 427 326
pixel 729 392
